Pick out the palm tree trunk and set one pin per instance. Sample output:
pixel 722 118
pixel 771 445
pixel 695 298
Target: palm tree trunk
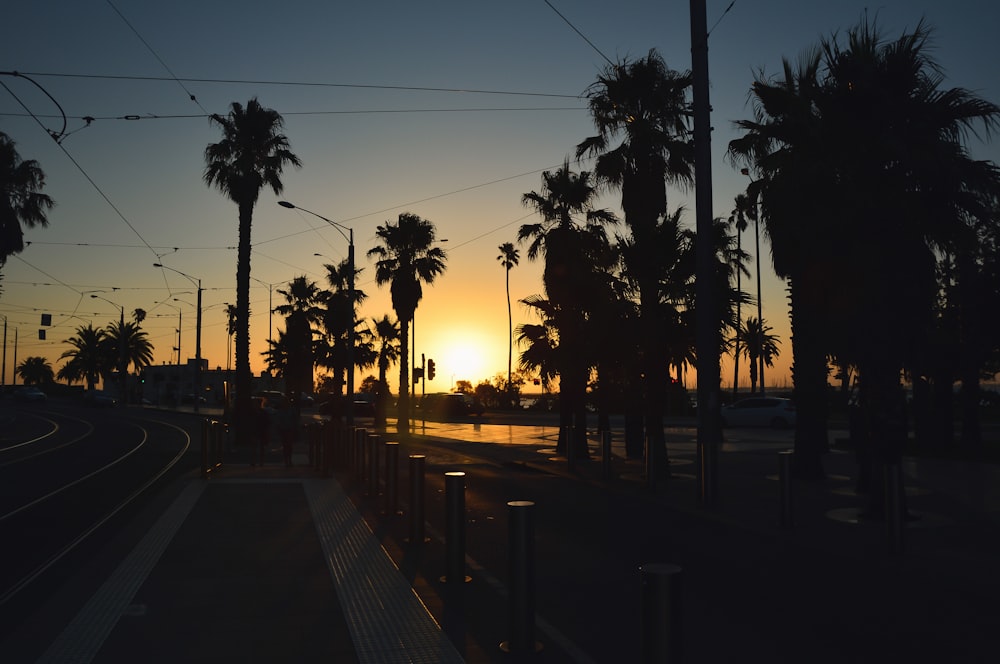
pixel 510 345
pixel 243 407
pixel 403 403
pixel 809 374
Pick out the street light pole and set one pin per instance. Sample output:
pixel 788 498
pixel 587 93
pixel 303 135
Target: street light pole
pixel 350 294
pixel 197 334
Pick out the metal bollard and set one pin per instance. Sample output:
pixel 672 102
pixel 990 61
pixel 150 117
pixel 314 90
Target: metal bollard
pixel 606 455
pixel 391 478
pixel 521 592
pixel 374 442
pixel 894 508
pixel 417 464
pixel 360 436
pixel 661 614
pixel 785 458
pixel 454 498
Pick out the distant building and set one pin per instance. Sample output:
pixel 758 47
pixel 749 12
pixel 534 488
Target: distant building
pixel 170 384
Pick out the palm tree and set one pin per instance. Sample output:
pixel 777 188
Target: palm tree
pixel 894 171
pixel 138 349
pixel 540 342
pixel 302 311
pixel 406 258
pixel 508 258
pixel 251 155
pixel 738 218
pixel 339 315
pixel 387 338
pixel 640 109
pixel 35 371
pixel 21 200
pixel 760 347
pixel 571 249
pixel 87 357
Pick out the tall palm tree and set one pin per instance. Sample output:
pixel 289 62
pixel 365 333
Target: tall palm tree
pixel 738 219
pixel 759 346
pixel 387 338
pixel 508 258
pixel 21 200
pixel 339 315
pixel 406 258
pixel 35 371
pixel 252 155
pixel 87 357
pixel 640 110
pixel 302 311
pixel 894 172
pixel 571 237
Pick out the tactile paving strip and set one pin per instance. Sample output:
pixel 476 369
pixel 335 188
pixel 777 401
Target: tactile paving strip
pixel 388 622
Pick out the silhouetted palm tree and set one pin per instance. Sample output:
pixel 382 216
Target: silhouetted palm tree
pixel 21 200
pixel 386 338
pixel 251 155
pixel 303 313
pixel 406 258
pixel 35 371
pixel 540 342
pixel 508 258
pixel 571 237
pixel 338 316
pixel 893 172
pixel 640 109
pixel 738 219
pixel 87 357
pixel 138 348
pixel 759 346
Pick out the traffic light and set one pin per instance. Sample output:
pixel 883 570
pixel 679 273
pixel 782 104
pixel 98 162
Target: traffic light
pixel 430 369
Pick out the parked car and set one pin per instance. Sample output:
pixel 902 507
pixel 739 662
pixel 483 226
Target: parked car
pixel 29 393
pixel 99 399
pixel 448 406
pixel 773 412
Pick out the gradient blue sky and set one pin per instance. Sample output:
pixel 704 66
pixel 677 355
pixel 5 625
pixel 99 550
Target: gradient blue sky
pixel 374 139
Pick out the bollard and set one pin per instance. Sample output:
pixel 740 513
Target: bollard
pixel 661 614
pixel 785 458
pixel 391 478
pixel 417 463
pixel 454 499
pixel 360 437
pixel 374 442
pixel 606 454
pixel 521 564
pixel 894 509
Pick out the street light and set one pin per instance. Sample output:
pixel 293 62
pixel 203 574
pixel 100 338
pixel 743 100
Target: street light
pixel 121 347
pixel 350 294
pixel 197 334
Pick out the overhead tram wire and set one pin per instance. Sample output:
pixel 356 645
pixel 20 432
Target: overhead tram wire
pixel 582 36
pixel 156 55
pixel 359 86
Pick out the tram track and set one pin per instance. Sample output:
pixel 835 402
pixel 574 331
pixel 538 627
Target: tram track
pixel 61 494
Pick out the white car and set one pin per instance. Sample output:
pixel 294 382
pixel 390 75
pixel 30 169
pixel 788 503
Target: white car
pixel 773 412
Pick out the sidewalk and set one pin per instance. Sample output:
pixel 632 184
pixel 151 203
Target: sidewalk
pixel 279 564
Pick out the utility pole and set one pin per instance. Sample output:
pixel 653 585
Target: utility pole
pixel 706 288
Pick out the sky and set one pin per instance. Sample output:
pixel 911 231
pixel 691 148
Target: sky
pixel 446 109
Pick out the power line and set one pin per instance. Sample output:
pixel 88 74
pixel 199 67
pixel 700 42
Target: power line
pixel 360 86
pixel 583 36
pixel 155 55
